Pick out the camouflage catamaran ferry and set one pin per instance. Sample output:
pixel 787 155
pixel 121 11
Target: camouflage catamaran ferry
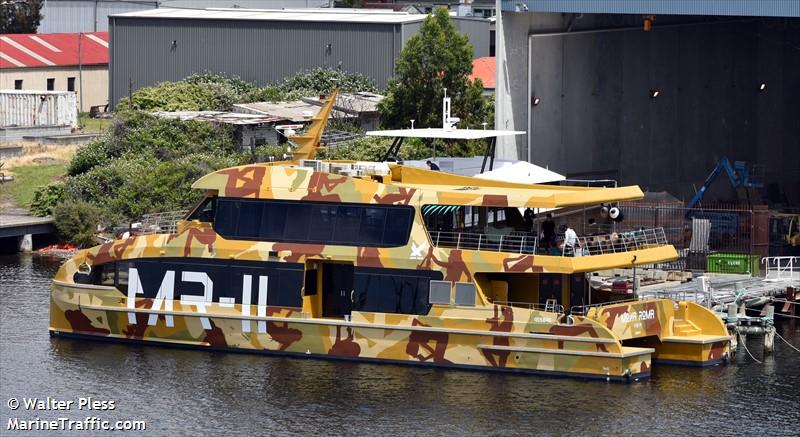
pixel 382 262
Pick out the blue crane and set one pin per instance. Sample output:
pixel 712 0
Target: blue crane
pixel 740 175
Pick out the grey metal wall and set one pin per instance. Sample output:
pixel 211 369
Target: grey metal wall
pixel 753 8
pixel 478 32
pixel 259 51
pixel 595 112
pixel 68 16
pixel 59 16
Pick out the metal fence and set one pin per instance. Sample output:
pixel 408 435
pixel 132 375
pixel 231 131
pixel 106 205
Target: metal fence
pixel 721 238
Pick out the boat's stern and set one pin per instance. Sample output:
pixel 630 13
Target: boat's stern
pixel 678 332
pixel 72 288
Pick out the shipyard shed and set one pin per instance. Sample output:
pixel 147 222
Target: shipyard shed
pixel 262 46
pixel 654 92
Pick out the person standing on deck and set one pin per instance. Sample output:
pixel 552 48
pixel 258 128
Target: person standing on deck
pixel 570 241
pixel 548 232
pixel 528 219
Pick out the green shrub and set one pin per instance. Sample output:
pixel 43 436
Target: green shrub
pixel 324 79
pixel 136 132
pixel 235 83
pixel 133 185
pixel 89 156
pixel 46 197
pixel 76 222
pixel 181 96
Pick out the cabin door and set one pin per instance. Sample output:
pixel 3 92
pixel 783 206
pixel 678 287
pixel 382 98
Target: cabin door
pixel 577 290
pixel 337 289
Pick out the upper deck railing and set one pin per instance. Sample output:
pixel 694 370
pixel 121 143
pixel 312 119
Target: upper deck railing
pixel 160 223
pixel 514 243
pixel 523 243
pixel 618 242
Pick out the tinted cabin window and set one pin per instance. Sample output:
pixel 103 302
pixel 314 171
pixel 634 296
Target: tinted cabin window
pixel 205 211
pixel 51 84
pixel 18 84
pixel 373 220
pixel 249 223
pixel 273 220
pixel 299 221
pixel 398 291
pixel 324 219
pixel 313 222
pixel 347 223
pixel 70 84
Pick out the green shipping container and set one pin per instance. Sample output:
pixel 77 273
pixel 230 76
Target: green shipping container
pixel 734 263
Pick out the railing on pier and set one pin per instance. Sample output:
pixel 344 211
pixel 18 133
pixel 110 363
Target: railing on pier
pixel 160 223
pixel 523 243
pixel 781 267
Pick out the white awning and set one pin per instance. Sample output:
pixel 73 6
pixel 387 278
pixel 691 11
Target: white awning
pixel 522 172
pixel 454 134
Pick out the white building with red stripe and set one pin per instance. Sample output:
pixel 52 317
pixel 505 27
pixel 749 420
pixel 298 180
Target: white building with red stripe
pixel 57 62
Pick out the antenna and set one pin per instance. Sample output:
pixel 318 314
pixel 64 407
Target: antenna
pixel 448 122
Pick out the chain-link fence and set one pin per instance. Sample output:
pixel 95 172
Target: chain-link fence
pixel 721 238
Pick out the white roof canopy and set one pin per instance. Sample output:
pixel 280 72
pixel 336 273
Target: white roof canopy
pixel 453 134
pixel 523 173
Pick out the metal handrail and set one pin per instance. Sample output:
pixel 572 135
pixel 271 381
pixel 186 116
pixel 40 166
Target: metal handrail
pixel 781 267
pixel 617 242
pixel 161 222
pixel 558 308
pixel 522 244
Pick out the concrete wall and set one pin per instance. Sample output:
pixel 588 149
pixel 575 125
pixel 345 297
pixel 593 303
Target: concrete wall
pixel 95 81
pixel 596 115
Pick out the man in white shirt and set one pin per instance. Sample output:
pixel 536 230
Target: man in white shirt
pixel 570 241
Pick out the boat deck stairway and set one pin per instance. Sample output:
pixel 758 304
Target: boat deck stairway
pixel 685 328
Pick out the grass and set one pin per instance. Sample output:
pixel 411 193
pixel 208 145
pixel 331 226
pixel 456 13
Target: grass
pixel 26 179
pixel 89 124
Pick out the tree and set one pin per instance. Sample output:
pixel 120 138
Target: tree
pixel 20 16
pixel 438 57
pixel 349 3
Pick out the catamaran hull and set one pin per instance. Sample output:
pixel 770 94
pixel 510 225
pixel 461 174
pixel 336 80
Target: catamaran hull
pixel 79 311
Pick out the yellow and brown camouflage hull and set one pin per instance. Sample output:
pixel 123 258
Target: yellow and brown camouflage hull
pixel 499 337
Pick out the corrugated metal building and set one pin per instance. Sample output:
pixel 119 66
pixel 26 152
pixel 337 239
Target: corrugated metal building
pixel 75 62
pixel 261 46
pixel 653 92
pixel 59 16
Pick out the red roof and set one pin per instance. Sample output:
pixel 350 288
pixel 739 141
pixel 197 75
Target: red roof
pixel 484 69
pixel 52 49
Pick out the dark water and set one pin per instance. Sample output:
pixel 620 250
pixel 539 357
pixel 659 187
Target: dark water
pixel 182 392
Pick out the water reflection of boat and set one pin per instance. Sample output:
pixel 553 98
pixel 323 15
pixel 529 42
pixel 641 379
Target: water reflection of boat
pixel 381 262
